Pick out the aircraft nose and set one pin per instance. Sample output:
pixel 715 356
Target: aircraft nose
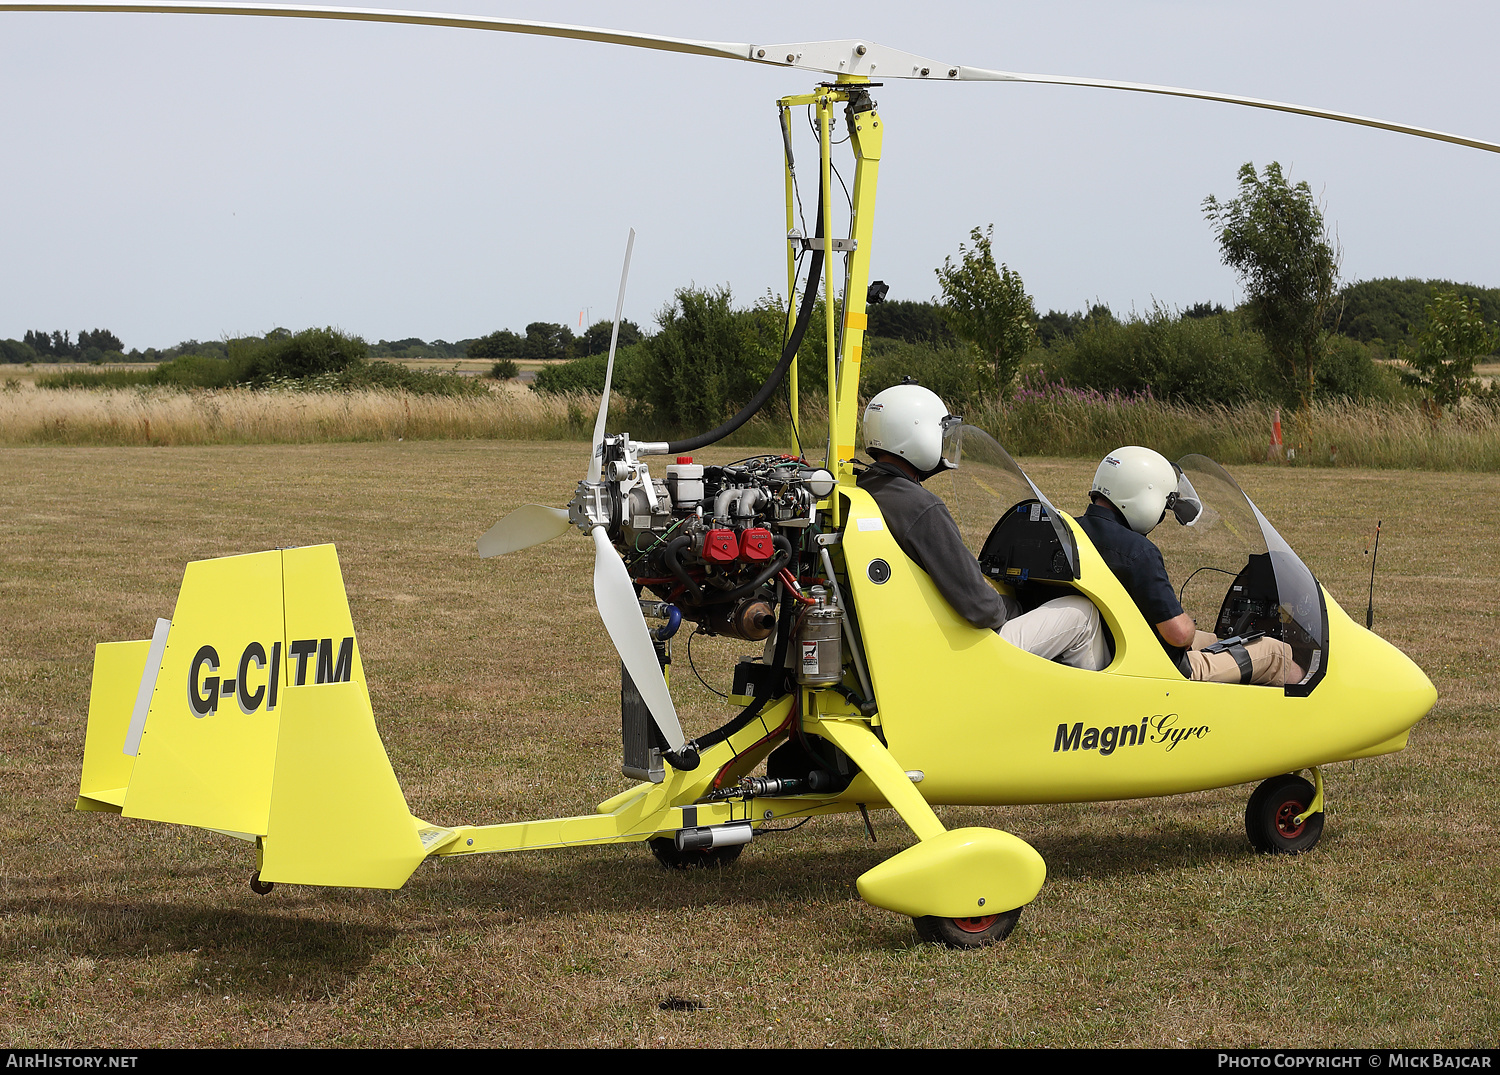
pixel 1401 686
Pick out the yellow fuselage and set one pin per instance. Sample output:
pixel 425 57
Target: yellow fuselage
pixel 988 723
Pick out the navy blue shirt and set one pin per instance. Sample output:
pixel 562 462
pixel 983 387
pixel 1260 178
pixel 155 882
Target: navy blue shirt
pixel 1137 563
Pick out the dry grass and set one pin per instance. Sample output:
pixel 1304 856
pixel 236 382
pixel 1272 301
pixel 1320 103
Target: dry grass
pixel 168 417
pixel 1343 435
pixel 1330 434
pixel 495 692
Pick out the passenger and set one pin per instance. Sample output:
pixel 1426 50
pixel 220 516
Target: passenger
pixel 904 428
pixel 1133 489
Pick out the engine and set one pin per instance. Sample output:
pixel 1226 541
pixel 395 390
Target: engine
pixel 712 540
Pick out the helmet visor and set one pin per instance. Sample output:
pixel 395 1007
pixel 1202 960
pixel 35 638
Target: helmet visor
pixel 953 426
pixel 1184 504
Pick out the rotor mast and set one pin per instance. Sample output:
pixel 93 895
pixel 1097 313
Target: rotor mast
pixel 845 317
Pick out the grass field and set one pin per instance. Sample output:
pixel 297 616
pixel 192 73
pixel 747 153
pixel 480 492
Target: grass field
pixel 496 694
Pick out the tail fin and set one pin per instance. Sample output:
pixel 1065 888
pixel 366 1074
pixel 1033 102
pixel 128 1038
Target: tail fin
pixel 258 724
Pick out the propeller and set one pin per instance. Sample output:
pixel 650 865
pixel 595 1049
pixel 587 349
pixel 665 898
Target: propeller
pixel 528 525
pixel 614 592
pixel 850 57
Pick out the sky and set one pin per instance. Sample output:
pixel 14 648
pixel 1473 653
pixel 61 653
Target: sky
pixel 176 177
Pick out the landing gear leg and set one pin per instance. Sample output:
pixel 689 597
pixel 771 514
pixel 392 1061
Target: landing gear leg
pixel 1285 815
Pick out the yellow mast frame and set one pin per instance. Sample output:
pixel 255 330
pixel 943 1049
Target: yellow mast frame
pixel 846 318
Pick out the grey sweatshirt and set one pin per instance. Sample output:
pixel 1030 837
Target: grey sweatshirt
pixel 926 532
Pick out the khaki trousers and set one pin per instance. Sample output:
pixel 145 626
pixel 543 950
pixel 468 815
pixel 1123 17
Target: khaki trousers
pixel 1065 630
pixel 1270 661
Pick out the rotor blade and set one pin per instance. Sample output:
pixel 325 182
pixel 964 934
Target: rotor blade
pixel 596 460
pixel 724 49
pixel 976 74
pixel 848 58
pixel 620 610
pixel 528 525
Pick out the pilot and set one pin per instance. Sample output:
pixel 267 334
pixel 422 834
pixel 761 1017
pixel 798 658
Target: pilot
pixel 1133 490
pixel 904 429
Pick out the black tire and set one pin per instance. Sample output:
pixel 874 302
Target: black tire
pixel 1271 812
pixel 967 932
pixel 259 887
pixel 665 850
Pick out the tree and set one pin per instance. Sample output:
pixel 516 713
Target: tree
pixel 595 339
pixel 1273 236
pixel 989 308
pixel 1442 364
pixel 101 338
pixel 546 342
pixel 707 360
pixel 912 322
pixel 502 343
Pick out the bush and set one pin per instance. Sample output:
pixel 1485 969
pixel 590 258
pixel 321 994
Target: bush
pixel 1348 370
pixel 96 379
pixel 951 371
pixel 1197 360
pixel 707 360
pixel 193 371
pixel 504 370
pixel 579 375
pixel 282 355
pixel 390 376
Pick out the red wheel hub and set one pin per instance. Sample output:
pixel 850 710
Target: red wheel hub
pixel 1286 819
pixel 975 925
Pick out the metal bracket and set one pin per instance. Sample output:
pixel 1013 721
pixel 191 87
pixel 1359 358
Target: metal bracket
pixel 590 506
pixel 838 246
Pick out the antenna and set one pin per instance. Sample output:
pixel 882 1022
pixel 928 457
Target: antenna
pixel 1370 611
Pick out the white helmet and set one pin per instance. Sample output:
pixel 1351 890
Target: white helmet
pixel 910 421
pixel 1140 483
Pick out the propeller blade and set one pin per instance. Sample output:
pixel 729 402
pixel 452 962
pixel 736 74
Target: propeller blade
pixel 596 460
pixel 528 525
pixel 620 610
pixel 849 57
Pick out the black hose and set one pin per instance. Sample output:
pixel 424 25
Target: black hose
pixel 674 565
pixel 804 316
pixel 752 711
pixel 780 561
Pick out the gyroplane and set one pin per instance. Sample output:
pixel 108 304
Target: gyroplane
pixel 868 690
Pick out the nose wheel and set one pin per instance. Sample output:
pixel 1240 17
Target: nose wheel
pixel 967 932
pixel 1271 817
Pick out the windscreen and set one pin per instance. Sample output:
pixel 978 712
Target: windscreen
pixel 1236 574
pixel 984 484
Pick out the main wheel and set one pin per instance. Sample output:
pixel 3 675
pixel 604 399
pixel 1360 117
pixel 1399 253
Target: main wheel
pixel 1271 817
pixel 666 852
pixel 967 932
